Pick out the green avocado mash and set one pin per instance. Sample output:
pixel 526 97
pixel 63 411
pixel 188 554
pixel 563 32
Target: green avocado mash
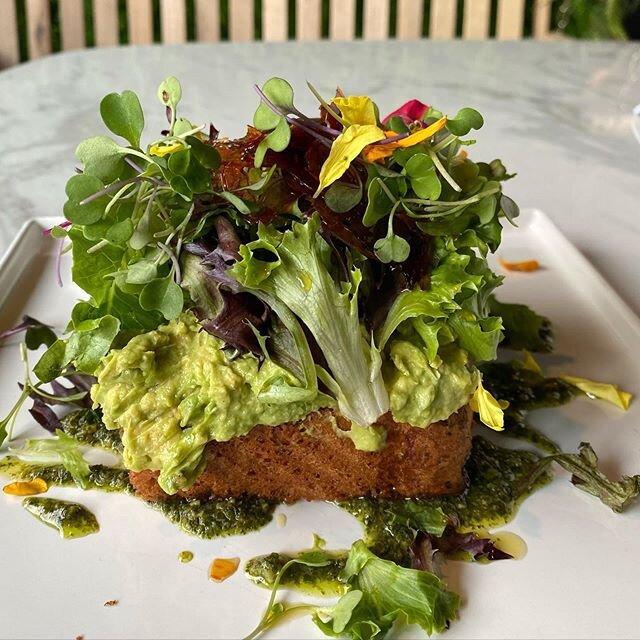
pixel 173 390
pixel 420 392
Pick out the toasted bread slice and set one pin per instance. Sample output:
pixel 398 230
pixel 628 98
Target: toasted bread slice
pixel 308 460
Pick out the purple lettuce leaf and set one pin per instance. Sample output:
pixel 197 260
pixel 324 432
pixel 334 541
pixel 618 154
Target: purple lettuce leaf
pixel 221 307
pixel 426 548
pixel 44 415
pixel 233 323
pixel 478 547
pixel 36 333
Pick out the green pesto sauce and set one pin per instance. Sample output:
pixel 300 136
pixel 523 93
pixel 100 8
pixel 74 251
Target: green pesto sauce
pixel 492 498
pixel 494 493
pixel 86 427
pixel 100 477
pixel 217 517
pixel 387 537
pixel 322 581
pixel 525 391
pixel 185 556
pixel 516 427
pixel 72 520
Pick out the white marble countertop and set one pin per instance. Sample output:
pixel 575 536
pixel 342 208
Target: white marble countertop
pixel 558 113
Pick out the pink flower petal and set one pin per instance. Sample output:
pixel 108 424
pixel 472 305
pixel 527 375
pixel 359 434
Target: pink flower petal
pixel 409 111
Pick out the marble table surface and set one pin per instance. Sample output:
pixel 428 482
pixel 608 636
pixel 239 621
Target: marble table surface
pixel 558 113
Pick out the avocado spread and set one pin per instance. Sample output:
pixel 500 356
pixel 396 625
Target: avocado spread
pixel 422 391
pixel 173 390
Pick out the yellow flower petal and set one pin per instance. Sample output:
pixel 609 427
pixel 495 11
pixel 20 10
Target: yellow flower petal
pixel 530 363
pixel 601 390
pixel 423 134
pixel 489 410
pixel 377 152
pixel 357 109
pixel 30 488
pixel 345 148
pixel 381 151
pixel 163 148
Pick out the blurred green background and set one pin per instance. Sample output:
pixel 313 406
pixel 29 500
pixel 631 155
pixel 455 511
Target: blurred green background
pixel 594 19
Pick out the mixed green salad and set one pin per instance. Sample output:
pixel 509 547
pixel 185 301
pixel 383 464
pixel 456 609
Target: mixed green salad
pixel 336 260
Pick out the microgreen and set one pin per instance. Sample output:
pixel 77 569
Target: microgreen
pixel 123 115
pixel 78 209
pixel 170 94
pixel 422 173
pixel 342 197
pixel 585 474
pixel 270 116
pixel 377 592
pixel 37 334
pixel 392 248
pixel 129 212
pixel 328 108
pixel 465 120
pixel 101 157
pixel 275 611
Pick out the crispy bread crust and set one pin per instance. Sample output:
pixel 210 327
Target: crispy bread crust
pixel 308 460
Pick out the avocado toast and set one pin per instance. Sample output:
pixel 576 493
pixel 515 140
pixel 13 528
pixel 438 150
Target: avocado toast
pixel 319 285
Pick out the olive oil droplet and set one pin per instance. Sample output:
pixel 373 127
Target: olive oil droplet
pixel 510 543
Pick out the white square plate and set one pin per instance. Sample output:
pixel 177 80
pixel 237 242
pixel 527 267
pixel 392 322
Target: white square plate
pixel 578 580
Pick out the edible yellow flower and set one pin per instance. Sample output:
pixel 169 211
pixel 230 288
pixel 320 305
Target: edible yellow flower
pixel 165 148
pixel 345 148
pixel 381 151
pixel 357 109
pixel 601 390
pixel 530 363
pixel 489 410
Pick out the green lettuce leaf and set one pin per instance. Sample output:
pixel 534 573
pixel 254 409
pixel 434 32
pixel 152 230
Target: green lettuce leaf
pixel 299 273
pixel 390 593
pixel 62 450
pixel 457 298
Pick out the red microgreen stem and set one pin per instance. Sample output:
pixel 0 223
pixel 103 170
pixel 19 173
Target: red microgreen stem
pixel 19 328
pixel 297 122
pixel 112 187
pixel 64 225
pixel 400 136
pixel 131 163
pixel 140 170
pixel 315 125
